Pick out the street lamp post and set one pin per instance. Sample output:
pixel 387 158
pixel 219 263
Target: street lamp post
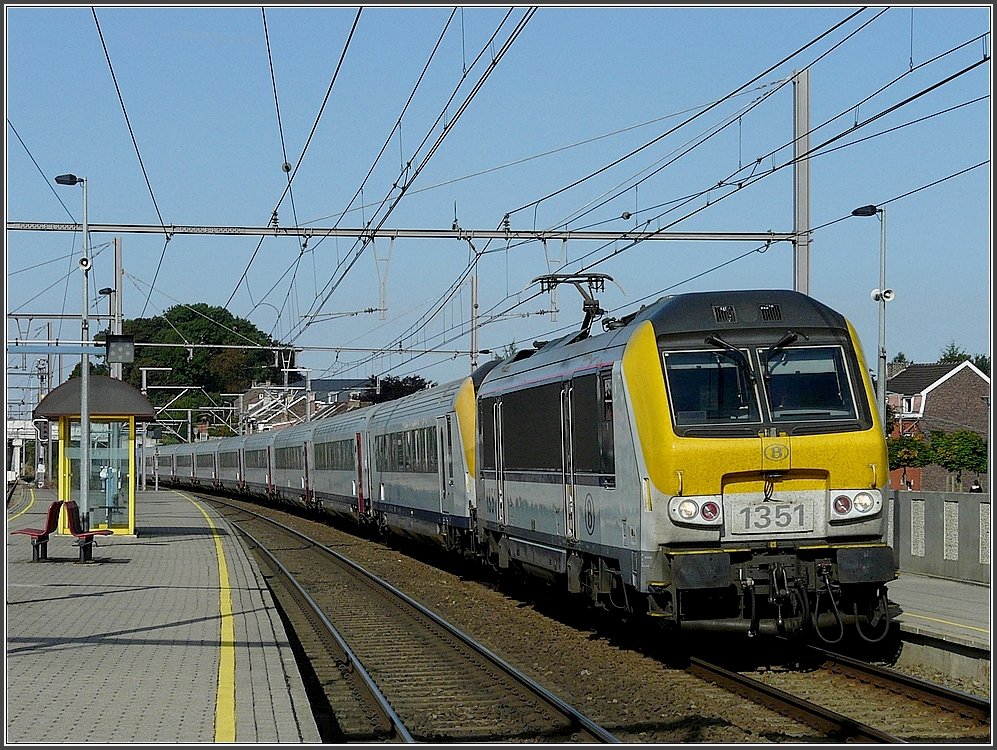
pixel 71 179
pixel 882 295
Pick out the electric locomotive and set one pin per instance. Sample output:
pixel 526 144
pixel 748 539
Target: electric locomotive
pixel 714 460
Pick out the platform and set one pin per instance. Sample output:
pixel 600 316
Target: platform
pixel 167 636
pixel 945 624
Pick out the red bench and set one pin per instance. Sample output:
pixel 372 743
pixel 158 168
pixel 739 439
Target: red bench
pixel 83 538
pixel 39 537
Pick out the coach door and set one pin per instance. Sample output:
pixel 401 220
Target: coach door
pixel 499 464
pixel 361 500
pixel 568 463
pixel 444 463
pixel 305 469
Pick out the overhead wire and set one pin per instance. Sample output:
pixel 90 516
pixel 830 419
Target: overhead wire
pixel 138 152
pixel 364 241
pixel 285 165
pixel 304 149
pixel 392 202
pixel 809 154
pixel 658 138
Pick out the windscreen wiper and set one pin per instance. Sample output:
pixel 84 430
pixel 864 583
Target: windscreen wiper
pixel 789 338
pixel 736 354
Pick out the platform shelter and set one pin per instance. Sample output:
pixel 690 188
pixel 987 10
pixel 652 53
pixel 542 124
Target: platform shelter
pixel 114 409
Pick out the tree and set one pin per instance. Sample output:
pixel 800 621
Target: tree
pixel 509 350
pixel 982 362
pixel 389 388
pixel 952 353
pixel 900 359
pixel 959 451
pixel 908 452
pixel 215 370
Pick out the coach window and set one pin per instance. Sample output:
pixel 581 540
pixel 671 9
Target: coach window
pixel 486 423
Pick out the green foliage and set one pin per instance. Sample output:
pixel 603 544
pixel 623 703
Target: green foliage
pixel 959 451
pixel 909 452
pixel 952 353
pixel 955 353
pixel 900 359
pixel 391 388
pixel 216 370
pixel 982 362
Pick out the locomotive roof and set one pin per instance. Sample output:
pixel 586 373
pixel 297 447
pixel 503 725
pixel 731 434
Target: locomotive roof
pixel 732 309
pixel 693 313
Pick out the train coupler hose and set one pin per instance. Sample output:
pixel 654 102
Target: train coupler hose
pixel 881 611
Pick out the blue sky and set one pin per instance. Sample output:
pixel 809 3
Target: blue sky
pixel 181 128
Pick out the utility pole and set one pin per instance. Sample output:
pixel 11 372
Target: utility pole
pixel 801 177
pixel 474 318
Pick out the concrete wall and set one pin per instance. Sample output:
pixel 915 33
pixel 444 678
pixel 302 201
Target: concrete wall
pixel 942 534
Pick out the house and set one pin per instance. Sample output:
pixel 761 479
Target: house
pixel 269 407
pixel 949 397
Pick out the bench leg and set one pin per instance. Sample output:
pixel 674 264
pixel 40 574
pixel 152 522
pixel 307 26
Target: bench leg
pixel 86 550
pixel 39 550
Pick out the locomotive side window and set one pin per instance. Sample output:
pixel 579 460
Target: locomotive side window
pixel 592 426
pixel 808 383
pixel 533 415
pixel 709 387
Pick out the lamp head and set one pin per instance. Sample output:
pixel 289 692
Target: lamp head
pixel 68 179
pixel 869 210
pixel 106 290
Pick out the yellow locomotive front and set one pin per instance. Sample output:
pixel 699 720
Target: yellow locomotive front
pixel 765 464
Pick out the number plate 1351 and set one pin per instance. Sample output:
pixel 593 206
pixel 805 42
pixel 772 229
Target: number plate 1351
pixel 770 518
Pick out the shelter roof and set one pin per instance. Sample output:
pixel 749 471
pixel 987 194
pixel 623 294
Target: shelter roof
pixel 107 397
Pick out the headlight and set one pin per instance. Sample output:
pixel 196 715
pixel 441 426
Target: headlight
pixel 705 511
pixel 688 510
pixel 855 506
pixel 864 502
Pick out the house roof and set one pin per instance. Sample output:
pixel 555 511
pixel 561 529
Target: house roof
pixel 919 378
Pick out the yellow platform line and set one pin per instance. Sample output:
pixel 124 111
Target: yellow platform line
pixel 225 698
pixel 905 613
pixel 27 508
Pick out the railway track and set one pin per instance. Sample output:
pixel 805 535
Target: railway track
pixel 854 701
pixel 387 669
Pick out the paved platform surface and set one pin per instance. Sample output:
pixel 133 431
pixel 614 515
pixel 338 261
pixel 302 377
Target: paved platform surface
pixel 169 636
pixel 954 611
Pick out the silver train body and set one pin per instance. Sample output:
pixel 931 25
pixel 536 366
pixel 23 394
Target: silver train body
pixel 715 460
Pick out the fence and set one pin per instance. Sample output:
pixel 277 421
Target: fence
pixel 942 534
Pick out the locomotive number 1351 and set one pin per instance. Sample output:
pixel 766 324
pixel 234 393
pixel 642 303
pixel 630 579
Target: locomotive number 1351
pixel 752 517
